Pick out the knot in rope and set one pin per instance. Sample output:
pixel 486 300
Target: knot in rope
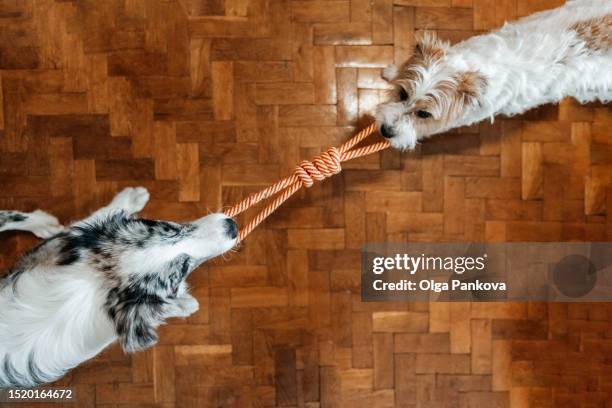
pixel 325 165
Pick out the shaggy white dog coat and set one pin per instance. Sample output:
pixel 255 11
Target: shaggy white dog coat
pixel 537 60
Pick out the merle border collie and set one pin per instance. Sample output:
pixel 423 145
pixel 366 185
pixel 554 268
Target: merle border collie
pixel 111 276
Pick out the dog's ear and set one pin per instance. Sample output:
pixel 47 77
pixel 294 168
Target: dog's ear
pixel 135 316
pixel 471 85
pixel 390 73
pixel 429 47
pixel 137 334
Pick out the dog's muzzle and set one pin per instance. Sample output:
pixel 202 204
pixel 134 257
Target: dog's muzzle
pixel 231 228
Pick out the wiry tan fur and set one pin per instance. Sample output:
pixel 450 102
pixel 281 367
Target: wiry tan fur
pixel 596 32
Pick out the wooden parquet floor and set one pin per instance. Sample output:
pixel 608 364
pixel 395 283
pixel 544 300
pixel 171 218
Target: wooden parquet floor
pixel 204 101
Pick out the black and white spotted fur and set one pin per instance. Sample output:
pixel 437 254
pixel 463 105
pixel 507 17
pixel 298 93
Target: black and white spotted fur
pixel 40 223
pixel 109 277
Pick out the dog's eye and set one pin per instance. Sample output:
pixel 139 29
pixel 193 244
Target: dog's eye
pixel 403 95
pixel 169 231
pixel 423 114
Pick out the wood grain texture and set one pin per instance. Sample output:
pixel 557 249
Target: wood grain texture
pixel 205 101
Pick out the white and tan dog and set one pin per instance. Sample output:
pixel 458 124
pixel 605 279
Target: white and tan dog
pixel 536 60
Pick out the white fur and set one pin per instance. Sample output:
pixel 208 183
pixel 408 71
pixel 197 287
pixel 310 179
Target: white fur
pixel 38 222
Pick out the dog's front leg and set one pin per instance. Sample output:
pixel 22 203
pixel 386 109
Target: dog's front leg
pixel 182 306
pixel 131 200
pixel 40 223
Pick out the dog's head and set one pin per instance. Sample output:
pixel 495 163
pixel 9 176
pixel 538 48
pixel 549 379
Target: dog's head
pixel 145 264
pixel 432 89
pixel 165 252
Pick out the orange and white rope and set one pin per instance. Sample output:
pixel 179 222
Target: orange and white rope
pixel 321 167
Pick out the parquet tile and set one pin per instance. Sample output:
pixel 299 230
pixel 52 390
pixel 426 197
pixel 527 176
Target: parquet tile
pixel 204 102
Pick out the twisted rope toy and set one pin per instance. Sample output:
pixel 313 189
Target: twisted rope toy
pixel 321 167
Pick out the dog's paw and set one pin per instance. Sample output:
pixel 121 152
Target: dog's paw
pixel 188 305
pixel 390 73
pixel 131 199
pixel 43 224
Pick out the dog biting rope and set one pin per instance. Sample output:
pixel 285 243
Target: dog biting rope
pixel 321 167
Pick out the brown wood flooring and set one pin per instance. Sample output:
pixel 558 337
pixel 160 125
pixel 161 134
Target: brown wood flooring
pixel 204 101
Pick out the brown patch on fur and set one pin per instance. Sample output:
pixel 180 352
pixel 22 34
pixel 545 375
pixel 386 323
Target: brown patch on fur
pixel 429 47
pixel 470 86
pixel 408 75
pixel 451 100
pixel 445 105
pixel 596 32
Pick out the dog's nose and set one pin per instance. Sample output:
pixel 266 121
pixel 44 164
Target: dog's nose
pixel 386 131
pixel 231 228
